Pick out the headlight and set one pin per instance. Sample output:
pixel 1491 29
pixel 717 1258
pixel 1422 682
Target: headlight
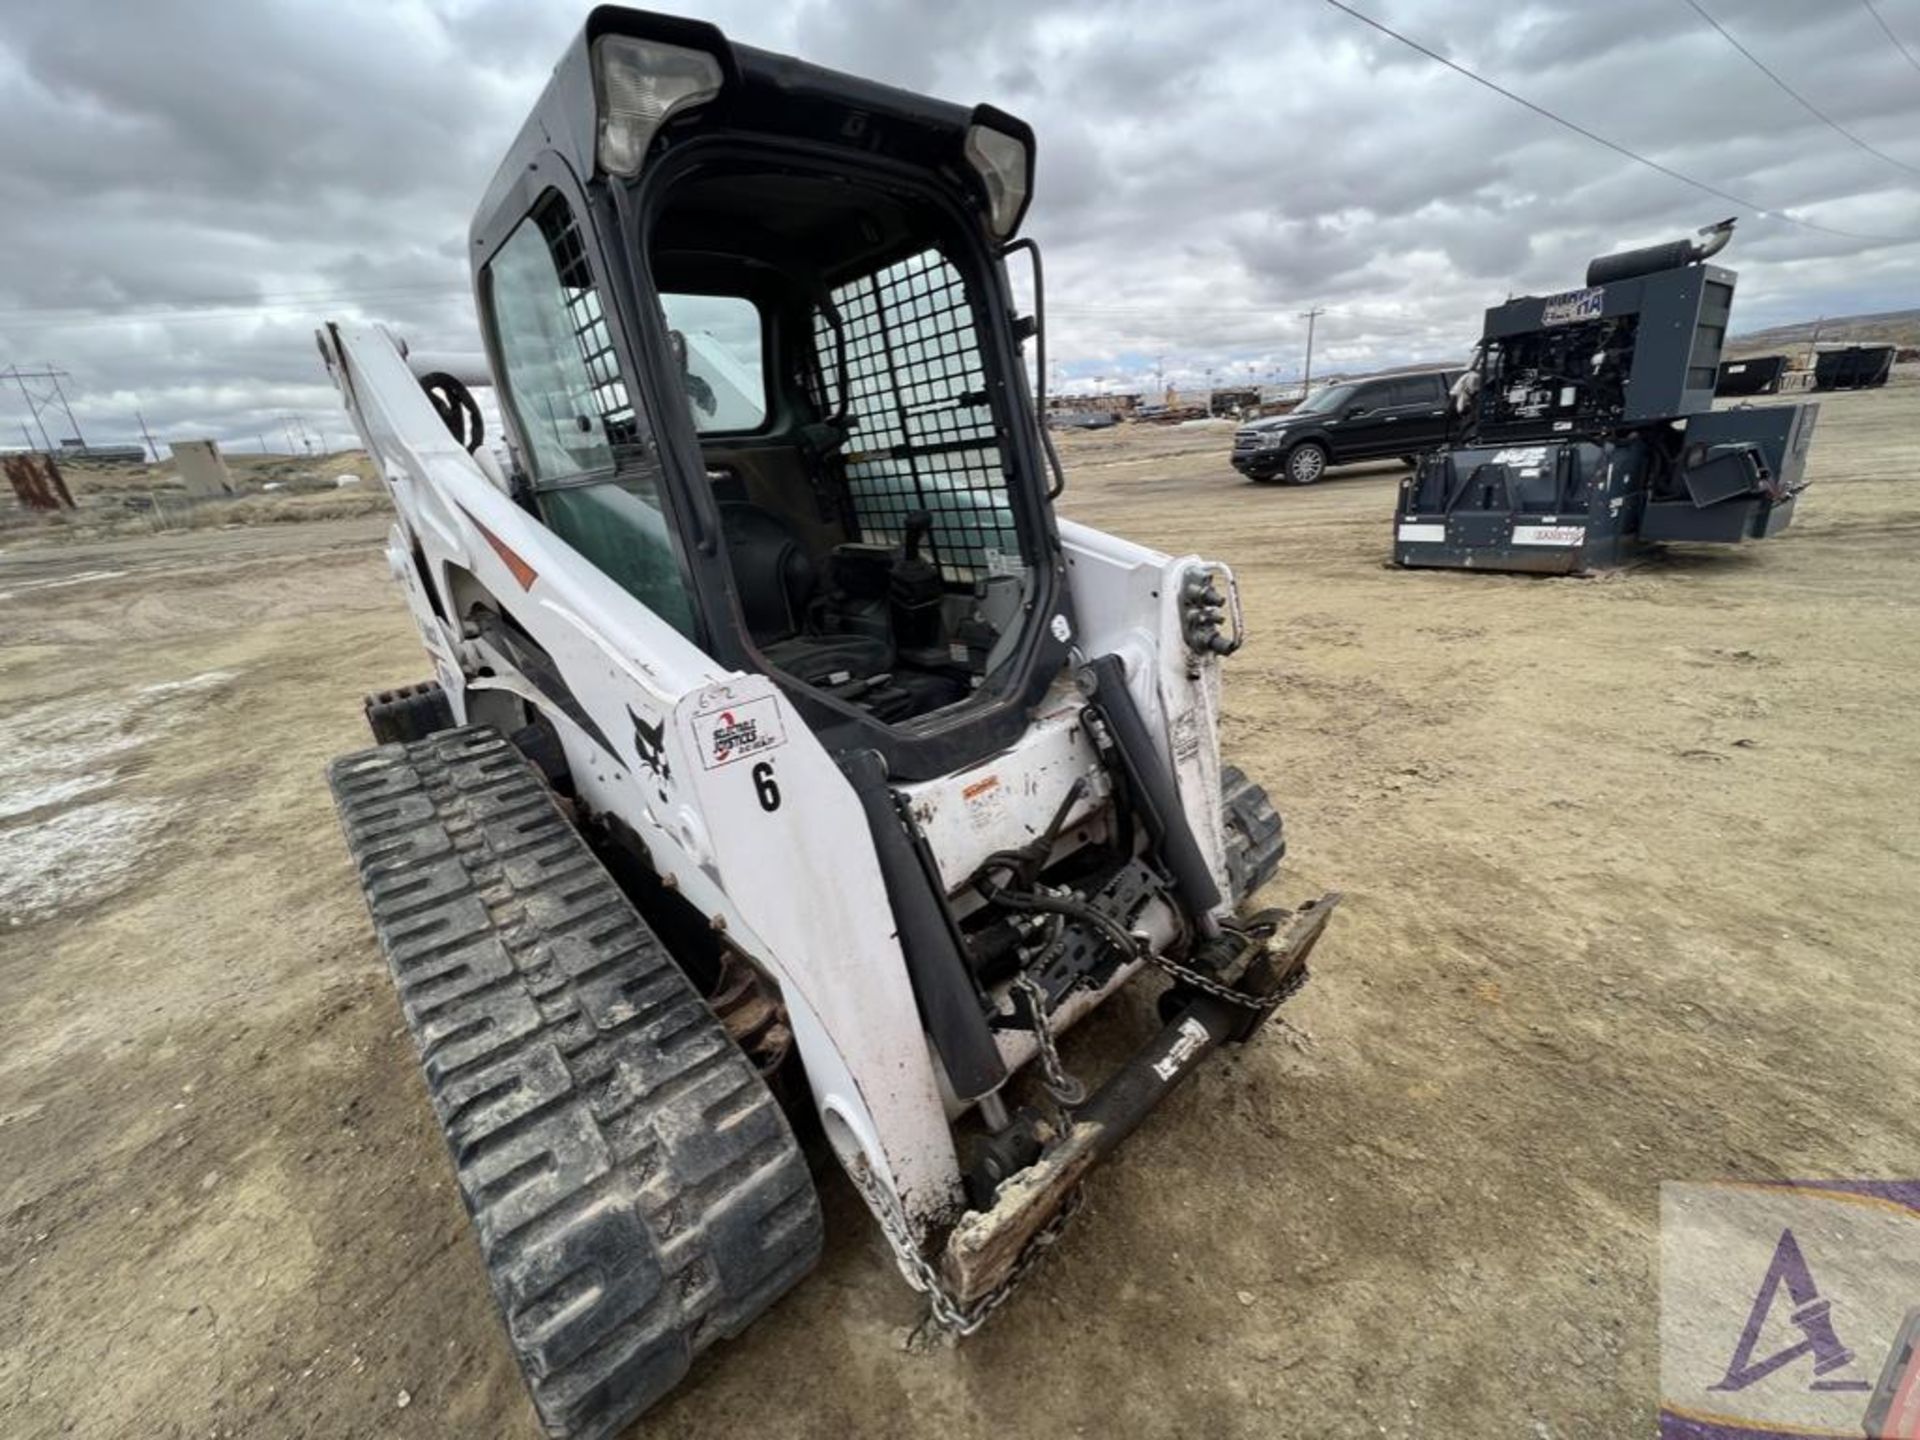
pixel 1004 167
pixel 637 84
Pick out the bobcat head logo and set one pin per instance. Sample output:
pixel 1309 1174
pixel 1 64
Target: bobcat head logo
pixel 649 743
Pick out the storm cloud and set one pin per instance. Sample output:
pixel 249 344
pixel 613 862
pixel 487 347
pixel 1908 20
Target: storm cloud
pixel 191 187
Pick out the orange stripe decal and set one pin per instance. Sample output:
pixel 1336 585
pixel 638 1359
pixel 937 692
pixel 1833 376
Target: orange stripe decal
pixel 522 571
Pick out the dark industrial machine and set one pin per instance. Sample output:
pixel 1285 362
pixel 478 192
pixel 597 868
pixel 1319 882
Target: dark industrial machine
pixel 1756 375
pixel 1853 367
pixel 1586 428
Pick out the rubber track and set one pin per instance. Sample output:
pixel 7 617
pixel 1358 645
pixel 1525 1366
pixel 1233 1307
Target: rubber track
pixel 1256 835
pixel 635 1188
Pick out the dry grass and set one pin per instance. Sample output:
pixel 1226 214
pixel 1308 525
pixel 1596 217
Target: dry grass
pixel 148 500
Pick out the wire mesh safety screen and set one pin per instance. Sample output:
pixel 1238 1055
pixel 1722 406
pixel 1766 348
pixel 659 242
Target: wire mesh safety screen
pixel 924 436
pixel 609 391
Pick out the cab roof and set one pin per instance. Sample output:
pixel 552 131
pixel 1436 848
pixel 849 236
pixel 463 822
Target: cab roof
pixel 760 91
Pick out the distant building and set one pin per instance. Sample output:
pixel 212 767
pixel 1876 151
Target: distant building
pixel 72 449
pixel 1234 402
pixel 1095 404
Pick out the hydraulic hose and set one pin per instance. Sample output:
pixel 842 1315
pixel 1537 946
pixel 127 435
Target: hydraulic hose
pixel 1035 901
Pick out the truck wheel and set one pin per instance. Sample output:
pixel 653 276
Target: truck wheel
pixel 1256 835
pixel 1306 462
pixel 408 713
pixel 634 1187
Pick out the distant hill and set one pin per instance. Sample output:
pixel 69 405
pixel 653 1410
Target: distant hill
pixel 1891 327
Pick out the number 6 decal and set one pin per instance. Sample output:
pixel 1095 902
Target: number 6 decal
pixel 765 787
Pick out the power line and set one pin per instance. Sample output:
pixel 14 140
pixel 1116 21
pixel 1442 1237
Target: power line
pixel 1806 104
pixel 1171 308
pixel 1614 145
pixel 1890 35
pixel 36 317
pixel 254 301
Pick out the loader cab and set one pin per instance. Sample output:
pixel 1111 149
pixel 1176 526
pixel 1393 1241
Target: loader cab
pixel 759 361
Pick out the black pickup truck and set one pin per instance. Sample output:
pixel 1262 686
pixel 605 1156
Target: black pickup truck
pixel 1392 417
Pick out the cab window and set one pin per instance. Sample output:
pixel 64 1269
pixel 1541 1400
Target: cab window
pixel 593 483
pixel 717 340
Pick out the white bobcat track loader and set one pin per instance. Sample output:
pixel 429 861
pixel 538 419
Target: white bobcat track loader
pixel 783 746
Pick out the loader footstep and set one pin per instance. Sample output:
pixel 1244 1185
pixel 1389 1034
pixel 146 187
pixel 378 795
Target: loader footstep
pixel 407 713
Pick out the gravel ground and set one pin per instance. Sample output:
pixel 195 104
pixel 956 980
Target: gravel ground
pixel 1629 865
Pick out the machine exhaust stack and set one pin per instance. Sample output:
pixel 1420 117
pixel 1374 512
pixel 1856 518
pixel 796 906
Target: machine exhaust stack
pixel 1631 264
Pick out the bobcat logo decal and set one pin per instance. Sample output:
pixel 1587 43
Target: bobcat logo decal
pixel 649 743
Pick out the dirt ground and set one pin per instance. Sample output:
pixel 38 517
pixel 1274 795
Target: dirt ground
pixel 1629 866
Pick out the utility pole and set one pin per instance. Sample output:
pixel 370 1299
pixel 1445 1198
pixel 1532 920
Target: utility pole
pixel 1306 377
pixel 152 448
pixel 1813 345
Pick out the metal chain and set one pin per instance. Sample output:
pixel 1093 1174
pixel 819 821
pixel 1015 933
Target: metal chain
pixel 1186 975
pixel 944 1310
pixel 1059 1082
pixel 1189 976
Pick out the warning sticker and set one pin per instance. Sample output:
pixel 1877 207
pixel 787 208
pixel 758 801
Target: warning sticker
pixel 1186 737
pixel 1001 563
pixel 1191 1037
pixel 749 728
pixel 985 799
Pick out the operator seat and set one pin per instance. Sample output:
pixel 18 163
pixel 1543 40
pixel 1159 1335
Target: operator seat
pixel 779 586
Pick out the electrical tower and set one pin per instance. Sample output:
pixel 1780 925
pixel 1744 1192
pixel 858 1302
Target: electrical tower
pixel 41 400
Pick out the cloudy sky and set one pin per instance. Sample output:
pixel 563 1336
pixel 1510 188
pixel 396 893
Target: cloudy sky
pixel 188 187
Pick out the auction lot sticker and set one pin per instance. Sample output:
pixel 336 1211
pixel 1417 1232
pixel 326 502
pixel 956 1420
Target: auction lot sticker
pixel 1779 1304
pixel 737 730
